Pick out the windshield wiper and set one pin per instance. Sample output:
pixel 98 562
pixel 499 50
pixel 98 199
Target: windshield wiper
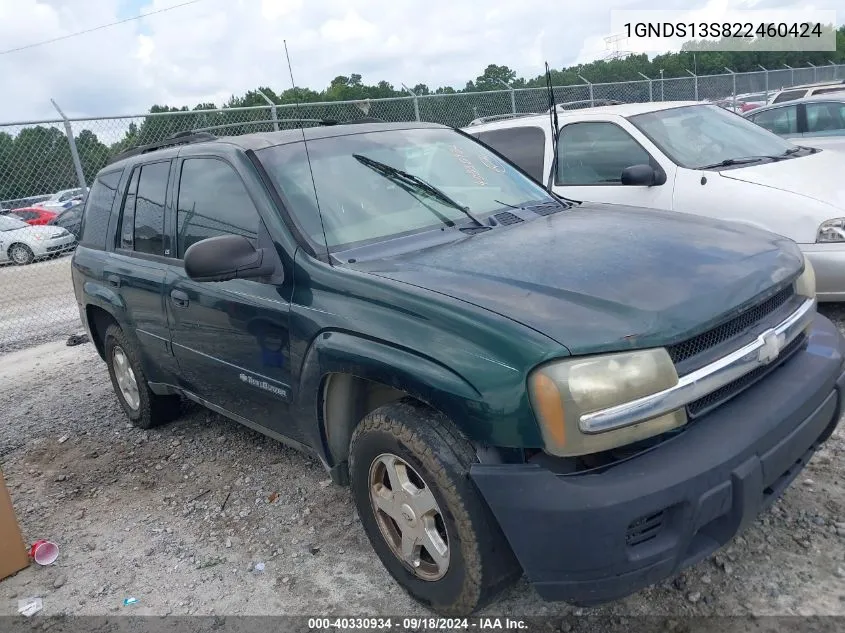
pixel 729 162
pixel 410 181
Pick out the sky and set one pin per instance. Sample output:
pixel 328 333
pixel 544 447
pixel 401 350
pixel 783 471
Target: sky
pixel 210 50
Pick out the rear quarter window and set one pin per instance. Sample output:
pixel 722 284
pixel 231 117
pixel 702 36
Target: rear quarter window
pixel 95 219
pixel 524 146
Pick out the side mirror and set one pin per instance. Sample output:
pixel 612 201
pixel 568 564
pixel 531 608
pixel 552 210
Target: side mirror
pixel 643 176
pixel 226 257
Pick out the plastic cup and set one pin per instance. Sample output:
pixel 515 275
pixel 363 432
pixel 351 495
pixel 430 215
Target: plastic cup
pixel 44 552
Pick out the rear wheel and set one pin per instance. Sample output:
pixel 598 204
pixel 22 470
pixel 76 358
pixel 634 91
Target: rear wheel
pixel 423 515
pixel 21 254
pixel 144 408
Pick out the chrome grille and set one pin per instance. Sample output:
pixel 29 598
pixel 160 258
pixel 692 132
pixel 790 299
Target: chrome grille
pixel 712 400
pixel 729 329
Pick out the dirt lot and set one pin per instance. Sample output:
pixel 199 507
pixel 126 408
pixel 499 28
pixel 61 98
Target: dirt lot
pixel 194 506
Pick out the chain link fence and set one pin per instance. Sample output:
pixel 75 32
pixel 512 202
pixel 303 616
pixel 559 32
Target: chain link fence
pixel 39 159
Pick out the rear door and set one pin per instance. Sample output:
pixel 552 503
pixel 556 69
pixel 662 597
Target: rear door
pixel 138 265
pixel 525 146
pixel 231 338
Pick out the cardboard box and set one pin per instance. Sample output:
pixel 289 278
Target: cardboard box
pixel 13 554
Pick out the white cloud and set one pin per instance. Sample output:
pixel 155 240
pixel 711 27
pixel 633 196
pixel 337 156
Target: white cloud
pixel 216 48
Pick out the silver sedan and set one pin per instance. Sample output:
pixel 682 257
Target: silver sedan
pixel 23 244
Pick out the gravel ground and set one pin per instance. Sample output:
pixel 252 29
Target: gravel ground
pixel 232 523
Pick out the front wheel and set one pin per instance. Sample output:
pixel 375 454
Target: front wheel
pixel 21 254
pixel 409 468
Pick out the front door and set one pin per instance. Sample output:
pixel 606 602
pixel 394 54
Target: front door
pixel 230 338
pixel 591 157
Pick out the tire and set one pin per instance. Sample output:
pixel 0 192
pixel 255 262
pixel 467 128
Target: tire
pixel 20 254
pixel 478 561
pixel 144 408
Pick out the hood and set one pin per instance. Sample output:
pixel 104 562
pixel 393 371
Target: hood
pixel 43 230
pixel 817 176
pixel 605 277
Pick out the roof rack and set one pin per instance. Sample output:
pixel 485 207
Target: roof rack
pixel 499 117
pixel 202 134
pixel 586 103
pixel 180 138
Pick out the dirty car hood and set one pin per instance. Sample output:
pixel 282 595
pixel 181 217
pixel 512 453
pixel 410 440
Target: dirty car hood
pixel 605 277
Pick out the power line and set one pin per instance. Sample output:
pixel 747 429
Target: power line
pixel 98 28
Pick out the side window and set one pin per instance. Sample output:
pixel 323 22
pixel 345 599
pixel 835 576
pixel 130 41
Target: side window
pixel 596 154
pixel 26 215
pixel 127 223
pixel 149 208
pixel 789 95
pixel 778 120
pixel 525 146
pixel 212 201
pixel 825 118
pixel 98 208
pixel 822 91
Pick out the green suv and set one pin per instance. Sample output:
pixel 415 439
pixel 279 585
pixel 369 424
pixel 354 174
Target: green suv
pixel 593 395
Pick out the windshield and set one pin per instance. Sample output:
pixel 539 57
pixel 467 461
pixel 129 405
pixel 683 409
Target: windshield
pixel 364 198
pixel 11 224
pixel 700 135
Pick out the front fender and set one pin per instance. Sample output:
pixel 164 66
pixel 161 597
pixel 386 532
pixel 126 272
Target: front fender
pixel 420 377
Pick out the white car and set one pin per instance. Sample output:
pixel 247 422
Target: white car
pixel 22 244
pixel 60 200
pixel 806 90
pixel 817 121
pixel 694 158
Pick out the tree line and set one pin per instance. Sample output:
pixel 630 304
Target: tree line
pixel 37 160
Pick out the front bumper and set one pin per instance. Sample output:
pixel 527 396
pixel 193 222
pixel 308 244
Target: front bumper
pixel 590 538
pixel 44 248
pixel 829 264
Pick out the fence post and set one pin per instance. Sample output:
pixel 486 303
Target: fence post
pixel 766 70
pixel 650 93
pixel 272 105
pixel 791 75
pixel 591 88
pixel 733 76
pixel 416 102
pixel 815 72
pixel 835 68
pixel 513 97
pixel 695 78
pixel 80 175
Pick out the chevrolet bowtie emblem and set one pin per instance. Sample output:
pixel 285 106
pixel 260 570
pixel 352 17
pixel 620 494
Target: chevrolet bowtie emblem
pixel 772 345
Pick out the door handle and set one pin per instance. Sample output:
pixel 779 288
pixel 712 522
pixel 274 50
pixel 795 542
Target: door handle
pixel 114 280
pixel 180 298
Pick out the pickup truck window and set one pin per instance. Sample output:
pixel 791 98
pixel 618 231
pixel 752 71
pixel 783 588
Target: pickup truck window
pixel 596 153
pixel 212 201
pixel 697 136
pixel 525 146
pixel 359 205
pixel 98 209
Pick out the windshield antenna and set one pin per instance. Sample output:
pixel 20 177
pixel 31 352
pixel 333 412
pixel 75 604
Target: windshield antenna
pixel 307 155
pixel 553 121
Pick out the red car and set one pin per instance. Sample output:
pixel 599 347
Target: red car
pixel 35 216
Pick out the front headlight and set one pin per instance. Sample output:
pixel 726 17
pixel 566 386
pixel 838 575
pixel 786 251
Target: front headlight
pixel 805 285
pixel 561 392
pixel 831 231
